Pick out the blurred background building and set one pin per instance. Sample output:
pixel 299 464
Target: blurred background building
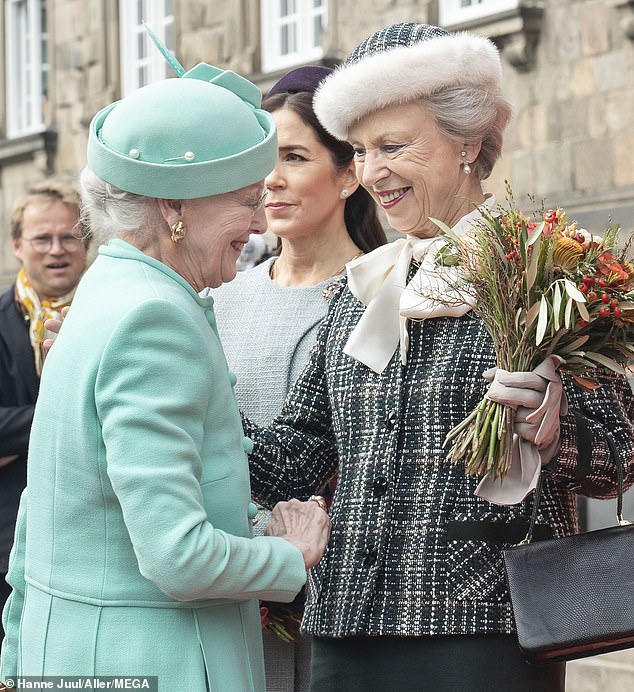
pixel 569 73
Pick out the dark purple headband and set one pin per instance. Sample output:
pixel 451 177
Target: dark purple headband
pixel 305 78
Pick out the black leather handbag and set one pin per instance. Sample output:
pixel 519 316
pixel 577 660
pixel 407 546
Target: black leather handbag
pixel 573 596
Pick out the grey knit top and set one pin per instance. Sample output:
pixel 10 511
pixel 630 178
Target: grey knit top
pixel 267 332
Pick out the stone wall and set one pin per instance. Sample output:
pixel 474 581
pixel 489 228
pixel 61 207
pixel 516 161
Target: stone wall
pixel 608 673
pixel 569 143
pixel 574 111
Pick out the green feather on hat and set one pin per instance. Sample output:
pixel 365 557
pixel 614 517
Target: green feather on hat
pixel 202 133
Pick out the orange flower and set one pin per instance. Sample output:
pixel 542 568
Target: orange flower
pixel 612 269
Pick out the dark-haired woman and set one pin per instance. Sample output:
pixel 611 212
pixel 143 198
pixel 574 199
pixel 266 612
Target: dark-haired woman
pixel 268 316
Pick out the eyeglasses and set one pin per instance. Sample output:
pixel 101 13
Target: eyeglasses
pixel 43 243
pixel 254 203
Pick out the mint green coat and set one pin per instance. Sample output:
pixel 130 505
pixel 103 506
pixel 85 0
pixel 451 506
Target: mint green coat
pixel 134 553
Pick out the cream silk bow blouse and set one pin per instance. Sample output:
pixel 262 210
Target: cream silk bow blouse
pixel 379 281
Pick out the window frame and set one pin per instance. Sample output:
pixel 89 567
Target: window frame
pixel 450 13
pixel 26 66
pixel 131 31
pixel 271 22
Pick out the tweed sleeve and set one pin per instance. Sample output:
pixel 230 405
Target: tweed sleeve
pixel 598 425
pixel 296 454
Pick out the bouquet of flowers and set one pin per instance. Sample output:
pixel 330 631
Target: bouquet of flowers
pixel 542 288
pixel 282 619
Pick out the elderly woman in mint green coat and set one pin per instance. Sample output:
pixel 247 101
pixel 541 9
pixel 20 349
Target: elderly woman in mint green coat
pixel 134 553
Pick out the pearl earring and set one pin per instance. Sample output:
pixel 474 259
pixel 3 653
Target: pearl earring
pixel 344 192
pixel 465 164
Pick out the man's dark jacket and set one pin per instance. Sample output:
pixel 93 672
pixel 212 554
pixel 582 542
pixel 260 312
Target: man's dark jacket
pixel 19 387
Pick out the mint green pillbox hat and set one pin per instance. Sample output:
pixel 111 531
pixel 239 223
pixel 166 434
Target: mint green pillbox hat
pixel 197 135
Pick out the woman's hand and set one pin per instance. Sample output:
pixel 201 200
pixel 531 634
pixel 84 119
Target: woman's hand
pixel 538 399
pixel 303 524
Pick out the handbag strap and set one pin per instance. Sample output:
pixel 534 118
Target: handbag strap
pixel 584 460
pixel 619 476
pixel 536 499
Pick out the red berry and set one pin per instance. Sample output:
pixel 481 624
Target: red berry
pixel 617 311
pixel 588 280
pixel 582 323
pixel 583 288
pixel 605 298
pixel 614 302
pixel 604 311
pixel 591 296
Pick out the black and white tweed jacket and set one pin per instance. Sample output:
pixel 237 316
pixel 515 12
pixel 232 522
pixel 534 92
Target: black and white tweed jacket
pixel 413 551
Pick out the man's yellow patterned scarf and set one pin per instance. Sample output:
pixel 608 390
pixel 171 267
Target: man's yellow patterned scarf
pixel 38 311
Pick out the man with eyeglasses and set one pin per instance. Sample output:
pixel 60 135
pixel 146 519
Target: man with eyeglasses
pixel 51 246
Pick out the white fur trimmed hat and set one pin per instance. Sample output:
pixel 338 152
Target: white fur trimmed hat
pixel 399 64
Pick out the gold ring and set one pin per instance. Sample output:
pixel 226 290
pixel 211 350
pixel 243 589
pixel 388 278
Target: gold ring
pixel 319 500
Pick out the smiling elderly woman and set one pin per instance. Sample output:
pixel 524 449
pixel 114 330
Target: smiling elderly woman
pixel 134 552
pixel 411 592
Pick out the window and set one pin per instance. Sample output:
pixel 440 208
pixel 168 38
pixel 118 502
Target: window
pixel 26 66
pixel 291 32
pixel 141 61
pixel 454 12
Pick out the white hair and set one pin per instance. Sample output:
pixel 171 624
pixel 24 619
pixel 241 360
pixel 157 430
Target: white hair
pixel 111 212
pixel 468 115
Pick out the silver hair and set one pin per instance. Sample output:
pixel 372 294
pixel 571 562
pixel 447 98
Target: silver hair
pixel 468 115
pixel 111 212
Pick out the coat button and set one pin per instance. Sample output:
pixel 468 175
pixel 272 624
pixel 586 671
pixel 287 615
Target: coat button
pixel 390 420
pixel 232 378
pixel 252 511
pixel 370 555
pixel 379 487
pixel 247 444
